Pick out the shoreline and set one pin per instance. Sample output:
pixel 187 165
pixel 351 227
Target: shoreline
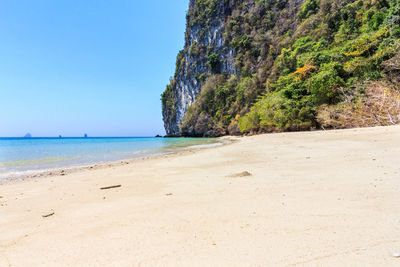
pixel 20 176
pixel 326 198
pixel 68 169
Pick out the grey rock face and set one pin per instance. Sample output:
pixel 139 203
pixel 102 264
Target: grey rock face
pixel 190 77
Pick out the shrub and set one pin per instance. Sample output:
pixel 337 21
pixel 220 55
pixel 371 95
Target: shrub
pixel 243 42
pixel 309 8
pixel 304 72
pixel 376 20
pixel 275 112
pixel 214 61
pixel 303 45
pixel 325 83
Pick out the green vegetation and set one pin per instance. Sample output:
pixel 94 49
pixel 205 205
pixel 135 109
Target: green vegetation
pixel 214 62
pixel 310 7
pixel 168 99
pixel 202 12
pixel 298 67
pixel 332 60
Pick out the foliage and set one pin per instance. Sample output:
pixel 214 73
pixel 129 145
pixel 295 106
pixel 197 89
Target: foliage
pixel 168 102
pixel 309 8
pixel 321 73
pixel 202 12
pixel 324 84
pixel 276 111
pixel 214 62
pixel 295 62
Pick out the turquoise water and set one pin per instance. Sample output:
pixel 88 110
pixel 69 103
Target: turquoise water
pixel 20 155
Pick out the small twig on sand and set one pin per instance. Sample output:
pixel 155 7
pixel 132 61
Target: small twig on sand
pixel 48 215
pixel 110 187
pixel 242 174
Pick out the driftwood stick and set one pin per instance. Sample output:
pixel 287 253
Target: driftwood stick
pixel 110 187
pixel 48 215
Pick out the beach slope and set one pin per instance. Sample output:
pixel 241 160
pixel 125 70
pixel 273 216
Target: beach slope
pixel 327 198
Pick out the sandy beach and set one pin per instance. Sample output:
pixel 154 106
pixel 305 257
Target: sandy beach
pixel 326 198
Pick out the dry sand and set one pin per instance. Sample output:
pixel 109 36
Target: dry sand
pixel 313 199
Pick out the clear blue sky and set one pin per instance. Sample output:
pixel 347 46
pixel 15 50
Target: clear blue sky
pixel 71 67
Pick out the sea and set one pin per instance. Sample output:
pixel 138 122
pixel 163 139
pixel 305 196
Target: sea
pixel 25 156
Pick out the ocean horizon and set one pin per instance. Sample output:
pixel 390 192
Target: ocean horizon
pixel 20 156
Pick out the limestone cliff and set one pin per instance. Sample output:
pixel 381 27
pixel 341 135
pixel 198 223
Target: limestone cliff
pixel 213 27
pixel 276 65
pixel 203 38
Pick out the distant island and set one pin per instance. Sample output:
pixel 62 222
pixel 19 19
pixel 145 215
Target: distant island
pixel 28 135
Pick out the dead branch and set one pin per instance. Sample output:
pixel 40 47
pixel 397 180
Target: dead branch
pixel 110 187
